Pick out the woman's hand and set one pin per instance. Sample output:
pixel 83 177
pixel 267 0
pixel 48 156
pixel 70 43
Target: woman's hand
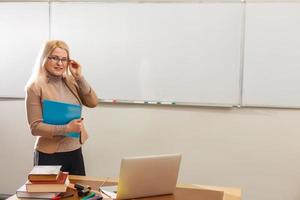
pixel 75 125
pixel 75 69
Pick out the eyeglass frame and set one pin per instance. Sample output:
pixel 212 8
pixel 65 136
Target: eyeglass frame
pixel 57 59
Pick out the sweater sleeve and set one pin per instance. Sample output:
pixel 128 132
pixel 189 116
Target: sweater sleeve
pixel 35 117
pixel 86 93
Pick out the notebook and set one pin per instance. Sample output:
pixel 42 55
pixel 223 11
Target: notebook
pixel 145 176
pixel 60 113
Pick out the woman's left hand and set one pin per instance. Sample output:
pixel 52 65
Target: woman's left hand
pixel 75 68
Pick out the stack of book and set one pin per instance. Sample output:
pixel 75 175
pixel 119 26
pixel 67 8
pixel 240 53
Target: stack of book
pixel 44 182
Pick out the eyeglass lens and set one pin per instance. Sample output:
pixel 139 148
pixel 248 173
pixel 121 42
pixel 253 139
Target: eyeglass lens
pixel 57 59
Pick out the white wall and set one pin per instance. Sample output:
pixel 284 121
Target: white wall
pixel 255 149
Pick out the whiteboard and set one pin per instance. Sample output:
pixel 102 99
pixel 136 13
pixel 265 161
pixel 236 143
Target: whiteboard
pixel 272 55
pixel 24 26
pixel 173 52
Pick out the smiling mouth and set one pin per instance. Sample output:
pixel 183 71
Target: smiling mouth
pixel 58 68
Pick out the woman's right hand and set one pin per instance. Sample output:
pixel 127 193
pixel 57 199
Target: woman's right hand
pixel 74 126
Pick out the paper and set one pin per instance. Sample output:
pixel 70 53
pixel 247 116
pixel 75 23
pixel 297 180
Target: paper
pixel 110 191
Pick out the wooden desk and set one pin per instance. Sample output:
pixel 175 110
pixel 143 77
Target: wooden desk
pixel 182 192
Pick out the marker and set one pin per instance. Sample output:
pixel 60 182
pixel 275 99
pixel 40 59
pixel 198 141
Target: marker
pixel 145 102
pixel 79 186
pixel 166 103
pixel 138 102
pixel 92 194
pixel 62 196
pixel 83 192
pixel 96 197
pixel 106 101
pixel 152 102
pixel 114 101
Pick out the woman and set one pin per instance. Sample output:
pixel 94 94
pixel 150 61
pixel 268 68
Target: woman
pixel 58 78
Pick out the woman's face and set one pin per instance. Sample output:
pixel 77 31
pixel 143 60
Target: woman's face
pixel 57 62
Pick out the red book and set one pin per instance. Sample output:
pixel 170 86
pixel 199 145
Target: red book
pixel 49 186
pixel 61 178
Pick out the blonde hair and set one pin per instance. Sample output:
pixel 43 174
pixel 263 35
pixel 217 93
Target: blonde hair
pixel 47 48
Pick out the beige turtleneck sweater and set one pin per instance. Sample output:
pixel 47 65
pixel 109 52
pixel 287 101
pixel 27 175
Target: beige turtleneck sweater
pixel 51 137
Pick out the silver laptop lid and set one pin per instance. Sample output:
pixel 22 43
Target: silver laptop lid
pixel 148 176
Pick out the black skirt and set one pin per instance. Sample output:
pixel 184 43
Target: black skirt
pixel 71 161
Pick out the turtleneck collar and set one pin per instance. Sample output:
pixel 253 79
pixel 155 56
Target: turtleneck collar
pixel 52 77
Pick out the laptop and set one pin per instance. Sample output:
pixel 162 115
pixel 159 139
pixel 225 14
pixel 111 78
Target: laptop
pixel 145 176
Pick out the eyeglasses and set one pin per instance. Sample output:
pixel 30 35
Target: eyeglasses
pixel 57 59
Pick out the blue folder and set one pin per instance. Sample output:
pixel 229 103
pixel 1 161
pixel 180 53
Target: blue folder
pixel 60 113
